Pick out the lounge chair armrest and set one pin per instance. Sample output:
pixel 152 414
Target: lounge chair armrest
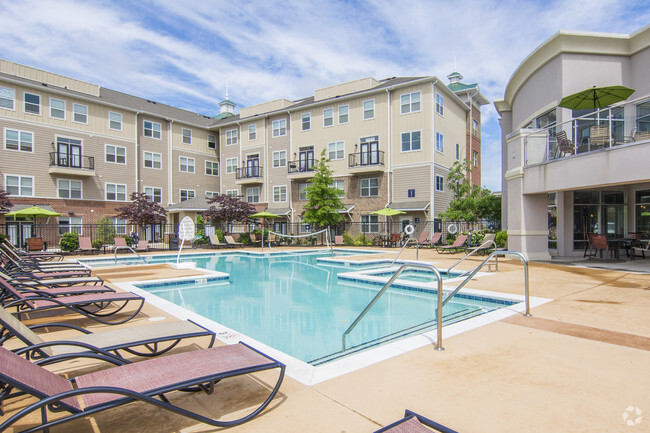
pixel 60 325
pixel 91 352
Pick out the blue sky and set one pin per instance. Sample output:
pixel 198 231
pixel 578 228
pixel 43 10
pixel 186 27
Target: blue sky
pixel 184 53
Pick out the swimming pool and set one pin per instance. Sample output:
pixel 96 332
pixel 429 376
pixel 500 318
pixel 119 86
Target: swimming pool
pixel 301 304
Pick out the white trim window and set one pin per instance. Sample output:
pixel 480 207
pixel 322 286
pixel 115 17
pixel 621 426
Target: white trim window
pixel 232 193
pixel 440 183
pixel 370 223
pixel 22 141
pixel 280 193
pixel 115 154
pixel 328 117
pixel 152 160
pixel 7 98
pixel 69 188
pixel 280 158
pixel 32 103
pixel 57 108
pixel 410 102
pixel 252 131
pixel 212 141
pixel 231 164
pixel 211 194
pixel 253 195
pixel 152 129
pixel 154 193
pixel 187 135
pixel 369 109
pixel 279 127
pixel 302 190
pixel 440 104
pixel 70 224
pixel 440 142
pixel 120 225
pixel 411 141
pixel 231 137
pixel 344 114
pixel 80 113
pixel 211 168
pixel 185 164
pixel 115 121
pixel 340 185
pixel 336 150
pixel 474 127
pixel 305 121
pixel 115 192
pixel 370 187
pixel 186 194
pixel 475 158
pixel 22 186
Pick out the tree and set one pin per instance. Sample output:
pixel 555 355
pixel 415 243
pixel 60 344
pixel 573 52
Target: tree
pixel 105 231
pixel 228 208
pixel 323 198
pixel 5 202
pixel 142 210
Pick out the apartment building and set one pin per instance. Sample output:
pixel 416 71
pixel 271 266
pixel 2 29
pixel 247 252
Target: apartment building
pixel 81 150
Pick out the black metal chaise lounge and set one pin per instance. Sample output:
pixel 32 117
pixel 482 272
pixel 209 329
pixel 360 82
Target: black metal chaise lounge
pixel 414 423
pixel 140 381
pixel 7 290
pixel 28 280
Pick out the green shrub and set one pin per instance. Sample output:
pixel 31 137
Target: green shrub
pixel 201 240
pixel 501 239
pixel 219 234
pixel 245 238
pixel 105 233
pixel 348 239
pixel 97 244
pixel 362 240
pixel 69 242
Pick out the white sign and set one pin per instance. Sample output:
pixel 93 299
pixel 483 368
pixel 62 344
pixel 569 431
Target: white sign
pixel 186 229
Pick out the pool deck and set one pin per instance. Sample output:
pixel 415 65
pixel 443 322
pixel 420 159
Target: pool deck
pixel 577 365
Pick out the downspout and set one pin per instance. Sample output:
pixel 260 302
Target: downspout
pixel 433 151
pixel 471 129
pixel 137 154
pixel 291 211
pixel 169 163
pixel 388 147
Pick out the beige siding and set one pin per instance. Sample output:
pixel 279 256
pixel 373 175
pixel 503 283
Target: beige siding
pixel 410 122
pixel 416 177
pixel 452 125
pixel 442 199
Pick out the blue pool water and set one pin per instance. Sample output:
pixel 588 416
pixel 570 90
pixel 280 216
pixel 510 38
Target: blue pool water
pixel 297 304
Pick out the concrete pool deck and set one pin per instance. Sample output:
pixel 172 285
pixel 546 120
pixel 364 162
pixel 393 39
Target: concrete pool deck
pixel 577 365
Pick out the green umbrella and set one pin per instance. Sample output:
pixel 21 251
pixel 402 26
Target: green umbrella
pixel 596 97
pixel 387 212
pixel 265 215
pixel 33 211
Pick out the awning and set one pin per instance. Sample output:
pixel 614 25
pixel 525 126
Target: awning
pixel 410 206
pixel 195 204
pixel 283 211
pixel 348 208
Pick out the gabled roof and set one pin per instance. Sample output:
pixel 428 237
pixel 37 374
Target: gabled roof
pixel 410 205
pixel 197 204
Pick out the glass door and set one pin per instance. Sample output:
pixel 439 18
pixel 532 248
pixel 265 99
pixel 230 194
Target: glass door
pixel 306 158
pixel 253 166
pixel 369 151
pixel 68 153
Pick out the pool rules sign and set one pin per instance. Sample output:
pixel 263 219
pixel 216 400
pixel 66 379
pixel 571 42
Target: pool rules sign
pixel 186 232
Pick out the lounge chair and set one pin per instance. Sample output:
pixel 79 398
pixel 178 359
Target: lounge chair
pixel 598 136
pixel 482 247
pixel 215 242
pixel 338 240
pixel 109 342
pixel 35 255
pixel 641 250
pixel 141 381
pixel 230 241
pixel 414 423
pixel 255 240
pixel 12 260
pixel 120 243
pixel 28 280
pixel 27 289
pixel 85 246
pixel 142 246
pixel 458 245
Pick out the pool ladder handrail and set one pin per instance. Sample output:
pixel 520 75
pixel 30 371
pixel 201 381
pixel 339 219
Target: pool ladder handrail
pixel 484 244
pixel 122 247
pixel 441 302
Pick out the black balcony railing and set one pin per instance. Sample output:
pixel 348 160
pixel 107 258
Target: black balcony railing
pixel 362 159
pixel 302 165
pixel 72 161
pixel 248 172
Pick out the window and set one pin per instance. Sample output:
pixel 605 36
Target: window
pixel 280 158
pixel 7 97
pixel 306 121
pixel 212 141
pixel 410 102
pixel 252 131
pixel 115 121
pixel 69 225
pixel 369 109
pixel 152 129
pixel 186 165
pixel 475 158
pixel 279 193
pixel 642 115
pixel 187 135
pixel 154 193
pixel 440 144
pixel 336 150
pixel 475 128
pixel 32 103
pixel 115 192
pixel 79 113
pixel 19 140
pixel 232 193
pixel 344 116
pixel 187 194
pixel 279 127
pixel 642 212
pixel 440 183
pixel 153 160
pixel 369 187
pixel 328 117
pixel 57 108
pixel 411 141
pixel 340 185
pixel 120 225
pixel 231 165
pixel 253 195
pixel 302 190
pixel 20 185
pixel 212 168
pixel 440 104
pixel 211 194
pixel 457 152
pixel 369 224
pixel 231 137
pixel 115 154
pixel 69 188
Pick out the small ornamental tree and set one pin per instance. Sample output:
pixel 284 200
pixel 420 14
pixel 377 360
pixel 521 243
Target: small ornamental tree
pixel 228 208
pixel 5 202
pixel 324 203
pixel 142 210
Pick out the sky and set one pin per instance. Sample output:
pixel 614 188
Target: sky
pixel 187 53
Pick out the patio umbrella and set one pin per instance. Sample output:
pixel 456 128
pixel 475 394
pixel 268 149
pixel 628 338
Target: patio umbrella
pixel 387 212
pixel 33 211
pixel 264 215
pixel 596 97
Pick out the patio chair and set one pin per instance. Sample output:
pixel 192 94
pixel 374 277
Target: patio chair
pixel 14 260
pixel 598 244
pixel 215 242
pixel 632 240
pixel 422 240
pixel 120 243
pixel 564 145
pixel 48 291
pixel 33 255
pixel 108 343
pixel 35 244
pixel 393 241
pixel 338 240
pixel 255 240
pixel 598 136
pixel 414 423
pixel 458 245
pixel 641 250
pixel 230 241
pixel 485 249
pixel 143 381
pixel 85 246
pixel 142 246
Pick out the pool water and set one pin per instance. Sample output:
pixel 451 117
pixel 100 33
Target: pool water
pixel 297 304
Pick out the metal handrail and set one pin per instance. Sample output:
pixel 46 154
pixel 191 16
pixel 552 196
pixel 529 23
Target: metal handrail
pixel 383 290
pixel 466 256
pixel 130 249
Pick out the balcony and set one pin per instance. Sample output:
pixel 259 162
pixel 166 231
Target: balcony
pixel 71 165
pixel 301 169
pixel 366 162
pixel 248 175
